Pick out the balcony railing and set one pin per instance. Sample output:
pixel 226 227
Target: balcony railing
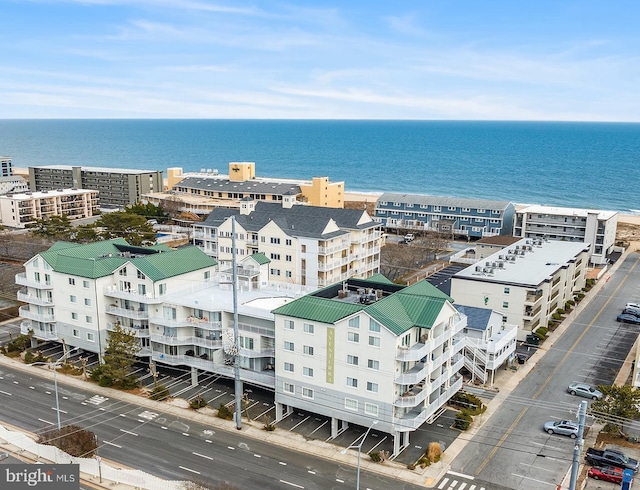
pixel 22 280
pixel 137 330
pixel 191 341
pixel 414 375
pixel 414 353
pixel 26 327
pixel 257 353
pixel 412 397
pixel 25 312
pixel 127 313
pixel 33 299
pixel 415 418
pixel 147 298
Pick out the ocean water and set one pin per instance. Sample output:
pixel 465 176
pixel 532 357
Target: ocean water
pixel 586 165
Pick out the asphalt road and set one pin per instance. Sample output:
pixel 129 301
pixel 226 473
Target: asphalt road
pixel 170 447
pixel 511 450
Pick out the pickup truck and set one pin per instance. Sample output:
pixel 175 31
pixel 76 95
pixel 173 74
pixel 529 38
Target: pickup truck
pixel 610 457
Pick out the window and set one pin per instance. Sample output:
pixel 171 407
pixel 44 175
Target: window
pixel 307 393
pixel 123 271
pixel 288 258
pixel 37 276
pixel 504 319
pixel 88 319
pixel 74 316
pixel 353 337
pixel 142 289
pixel 162 288
pixel 374 341
pixel 373 364
pixel 352 360
pixel 72 281
pixel 288 274
pixel 506 290
pixel 141 275
pixel 246 342
pixel 288 242
pixel 307 328
pixel 288 367
pixel 371 409
pixel 288 388
pixel 350 404
pixel 372 387
pixel 275 272
pixel 307 371
pixel 274 256
pixel 505 304
pixel 275 240
pixel 87 302
pixel 288 324
pixel 374 326
pixel 289 345
pixel 85 284
pixel 303 249
pixel 73 299
pixel 307 349
pixel 353 382
pixel 207 275
pixel 91 337
pixel 354 322
pixel 76 332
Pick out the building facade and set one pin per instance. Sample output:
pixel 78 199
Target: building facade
pixel 5 167
pixel 306 245
pixel 473 218
pixel 117 187
pixel 525 283
pixel 593 227
pixel 13 183
pixel 22 209
pixel 369 350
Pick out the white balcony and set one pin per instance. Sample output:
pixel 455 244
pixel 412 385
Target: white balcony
pixel 127 313
pixel 26 327
pixel 22 280
pixel 414 375
pixel 25 312
pixel 147 298
pixel 139 331
pixel 412 398
pixel 257 353
pixel 190 341
pixel 33 299
pixel 414 353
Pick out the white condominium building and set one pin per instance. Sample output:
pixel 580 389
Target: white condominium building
pixel 526 283
pixel 590 226
pixel 369 350
pixel 17 210
pixel 307 245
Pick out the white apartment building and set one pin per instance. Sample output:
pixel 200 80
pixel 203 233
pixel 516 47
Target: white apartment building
pixel 13 183
pixel 307 245
pixel 489 343
pixel 526 283
pixel 366 350
pixel 5 167
pixel 21 209
pixel 596 228
pixel 179 309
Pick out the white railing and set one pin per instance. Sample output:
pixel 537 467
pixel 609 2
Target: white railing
pixel 412 398
pixel 30 298
pixel 22 280
pixel 25 312
pixel 414 353
pixel 127 313
pixel 199 341
pixel 414 375
pixel 114 292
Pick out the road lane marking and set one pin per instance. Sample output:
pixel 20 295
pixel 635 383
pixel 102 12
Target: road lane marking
pixel 203 456
pixel 32 387
pixel 189 469
pixel 112 444
pixel 533 479
pixel 282 463
pixel 339 480
pixel 185 434
pixel 231 447
pixel 5 393
pixel 207 440
pixel 311 472
pixel 46 421
pixel 461 475
pixel 129 432
pixel 257 456
pixel 61 411
pixel 292 484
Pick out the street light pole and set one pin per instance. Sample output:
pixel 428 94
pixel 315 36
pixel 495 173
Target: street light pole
pixel 359 448
pixel 55 382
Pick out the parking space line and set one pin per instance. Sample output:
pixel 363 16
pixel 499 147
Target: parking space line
pixel 300 423
pixel 320 426
pixel 189 469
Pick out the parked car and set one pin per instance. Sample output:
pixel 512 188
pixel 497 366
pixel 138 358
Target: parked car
pixel 628 318
pixel 633 305
pixel 606 473
pixel 610 457
pixel 409 237
pixel 583 389
pixel 631 311
pixel 562 427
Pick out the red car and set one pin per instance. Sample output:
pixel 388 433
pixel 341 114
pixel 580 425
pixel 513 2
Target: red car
pixel 606 473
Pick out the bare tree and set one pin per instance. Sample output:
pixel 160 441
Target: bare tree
pixel 397 260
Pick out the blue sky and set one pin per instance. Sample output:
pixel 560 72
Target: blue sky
pixel 424 59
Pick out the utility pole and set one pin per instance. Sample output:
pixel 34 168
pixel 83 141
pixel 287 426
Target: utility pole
pixel 577 448
pixel 236 335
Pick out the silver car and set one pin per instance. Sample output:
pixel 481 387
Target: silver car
pixel 562 427
pixel 583 389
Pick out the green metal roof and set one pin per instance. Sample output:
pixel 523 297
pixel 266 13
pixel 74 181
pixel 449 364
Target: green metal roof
pixel 319 309
pixel 100 259
pixel 260 258
pixel 417 305
pixel 378 279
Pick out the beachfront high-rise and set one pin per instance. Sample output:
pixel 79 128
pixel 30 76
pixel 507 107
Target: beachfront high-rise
pixel 118 187
pixel 5 167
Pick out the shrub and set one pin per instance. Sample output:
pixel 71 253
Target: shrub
pixel 20 343
pixel 463 420
pixel 541 333
pixel 269 427
pixel 560 311
pixel 411 466
pixel 160 392
pixel 556 316
pixel 224 412
pixel 197 402
pixel 375 456
pixel 571 302
pixel 424 462
pixel 434 452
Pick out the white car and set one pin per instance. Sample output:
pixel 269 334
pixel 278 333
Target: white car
pixel 409 237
